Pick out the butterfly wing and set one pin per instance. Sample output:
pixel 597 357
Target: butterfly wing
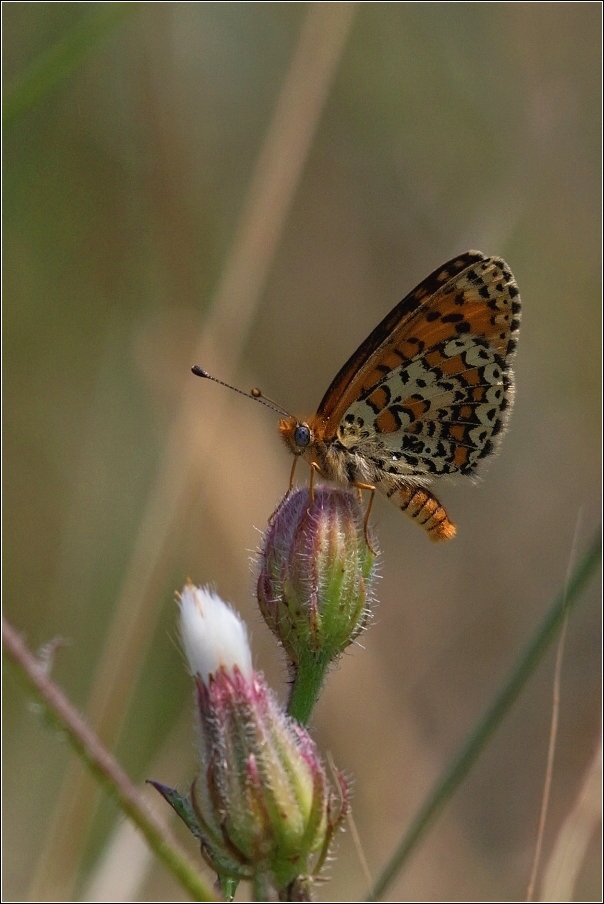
pixel 428 391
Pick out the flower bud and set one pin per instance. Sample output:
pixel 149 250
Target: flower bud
pixel 261 804
pixel 316 573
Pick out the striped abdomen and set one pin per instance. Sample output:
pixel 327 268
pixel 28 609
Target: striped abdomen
pixel 423 506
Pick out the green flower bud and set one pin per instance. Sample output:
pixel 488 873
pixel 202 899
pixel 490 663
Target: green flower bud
pixel 316 573
pixel 315 584
pixel 261 797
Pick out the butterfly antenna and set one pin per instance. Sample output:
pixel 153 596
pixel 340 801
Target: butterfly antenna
pixel 254 394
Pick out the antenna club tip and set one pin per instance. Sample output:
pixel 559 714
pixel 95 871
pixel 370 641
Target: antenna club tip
pixel 254 394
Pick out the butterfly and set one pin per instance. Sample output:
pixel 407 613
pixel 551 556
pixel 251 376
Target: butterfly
pixel 427 394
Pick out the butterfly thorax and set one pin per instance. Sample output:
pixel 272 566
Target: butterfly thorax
pixel 337 456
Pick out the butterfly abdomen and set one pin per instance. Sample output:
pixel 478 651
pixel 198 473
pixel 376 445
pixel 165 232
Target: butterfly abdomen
pixel 423 506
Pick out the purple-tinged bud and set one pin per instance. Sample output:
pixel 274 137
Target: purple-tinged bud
pixel 261 803
pixel 316 573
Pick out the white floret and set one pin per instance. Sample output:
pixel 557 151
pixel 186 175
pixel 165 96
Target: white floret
pixel 212 634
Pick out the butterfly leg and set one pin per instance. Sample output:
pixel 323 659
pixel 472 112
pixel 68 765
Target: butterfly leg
pixel 421 504
pixel 291 476
pixel 366 486
pixel 311 487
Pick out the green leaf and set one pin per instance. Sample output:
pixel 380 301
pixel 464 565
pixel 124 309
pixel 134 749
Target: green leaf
pixel 181 805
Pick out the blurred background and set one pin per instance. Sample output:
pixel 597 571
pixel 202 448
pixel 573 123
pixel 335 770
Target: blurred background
pixel 141 230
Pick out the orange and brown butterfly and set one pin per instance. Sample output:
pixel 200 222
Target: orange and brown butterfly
pixel 427 394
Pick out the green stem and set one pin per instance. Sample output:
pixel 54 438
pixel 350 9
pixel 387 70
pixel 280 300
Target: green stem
pixel 262 888
pixel 306 686
pixel 493 717
pixel 228 887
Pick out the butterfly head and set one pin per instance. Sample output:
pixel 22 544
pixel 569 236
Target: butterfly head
pixel 297 435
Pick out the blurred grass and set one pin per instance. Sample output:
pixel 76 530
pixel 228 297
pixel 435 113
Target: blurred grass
pixel 449 126
pixel 59 61
pixel 136 611
pixel 505 699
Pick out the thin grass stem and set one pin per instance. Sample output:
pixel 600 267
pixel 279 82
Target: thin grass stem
pixel 106 770
pixel 462 762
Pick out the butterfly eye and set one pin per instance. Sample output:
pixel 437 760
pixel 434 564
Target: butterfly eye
pixel 302 435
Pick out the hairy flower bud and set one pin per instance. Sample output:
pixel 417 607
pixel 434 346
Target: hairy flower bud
pixel 316 573
pixel 261 804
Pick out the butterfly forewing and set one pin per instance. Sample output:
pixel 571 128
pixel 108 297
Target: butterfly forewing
pixel 358 364
pixel 429 390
